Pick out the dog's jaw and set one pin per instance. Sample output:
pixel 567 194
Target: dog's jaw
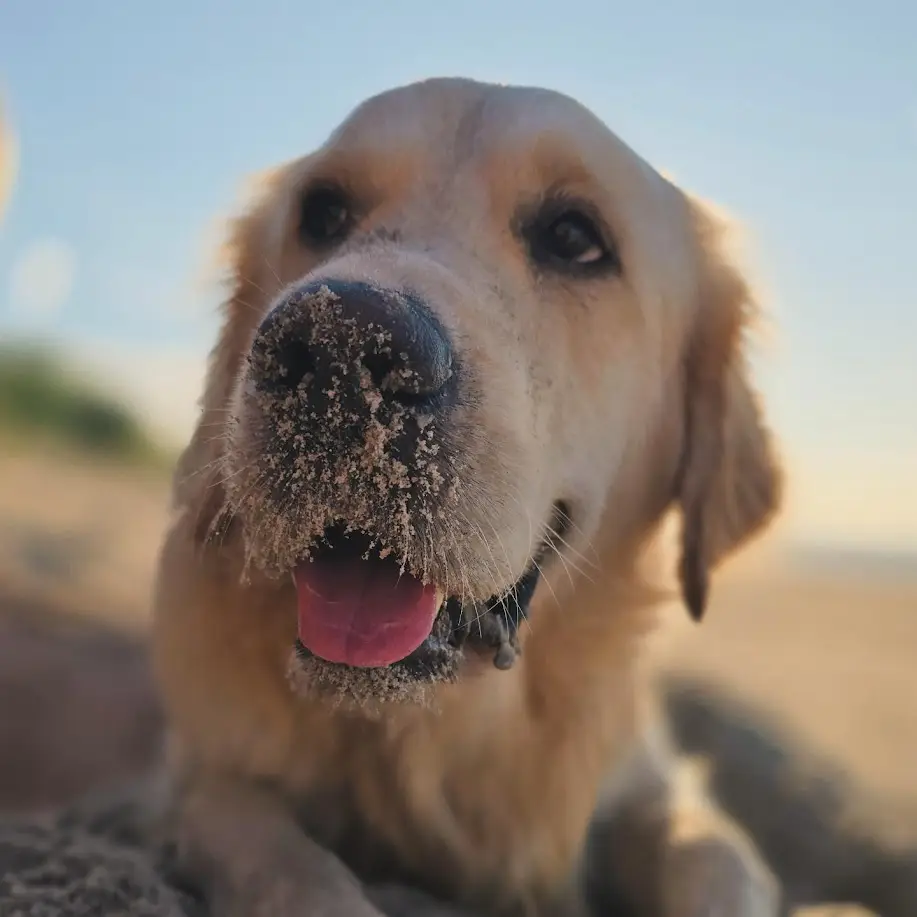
pixel 463 636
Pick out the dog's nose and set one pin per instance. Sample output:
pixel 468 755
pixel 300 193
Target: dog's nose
pixel 383 341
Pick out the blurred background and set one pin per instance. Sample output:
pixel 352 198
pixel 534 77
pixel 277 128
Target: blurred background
pixel 132 127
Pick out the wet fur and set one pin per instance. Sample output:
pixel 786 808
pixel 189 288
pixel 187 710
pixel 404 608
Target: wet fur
pixel 487 796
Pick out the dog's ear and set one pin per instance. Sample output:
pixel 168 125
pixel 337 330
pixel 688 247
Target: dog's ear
pixel 246 261
pixel 731 480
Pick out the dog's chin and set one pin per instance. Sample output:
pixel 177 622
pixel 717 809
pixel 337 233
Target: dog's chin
pixel 402 638
pixel 438 660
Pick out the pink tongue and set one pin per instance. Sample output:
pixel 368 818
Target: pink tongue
pixel 362 612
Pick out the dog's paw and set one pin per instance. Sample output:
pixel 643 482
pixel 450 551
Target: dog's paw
pixel 834 910
pixel 714 877
pixel 403 901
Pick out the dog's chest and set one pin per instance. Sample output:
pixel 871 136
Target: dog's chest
pixel 448 864
pixel 458 825
pixel 389 823
pixel 331 815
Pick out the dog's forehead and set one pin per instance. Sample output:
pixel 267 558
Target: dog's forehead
pixel 456 119
pixel 517 141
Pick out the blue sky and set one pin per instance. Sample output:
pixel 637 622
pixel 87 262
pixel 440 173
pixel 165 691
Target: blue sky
pixel 137 123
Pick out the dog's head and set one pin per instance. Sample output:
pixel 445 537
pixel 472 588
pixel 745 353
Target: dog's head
pixel 474 331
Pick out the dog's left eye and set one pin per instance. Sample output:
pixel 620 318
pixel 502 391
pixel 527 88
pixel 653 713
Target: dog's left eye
pixel 573 237
pixel 325 216
pixel 570 239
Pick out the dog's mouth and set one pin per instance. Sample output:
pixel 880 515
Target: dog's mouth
pixel 359 610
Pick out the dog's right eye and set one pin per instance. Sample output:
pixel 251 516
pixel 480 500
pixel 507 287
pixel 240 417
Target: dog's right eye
pixel 567 235
pixel 325 216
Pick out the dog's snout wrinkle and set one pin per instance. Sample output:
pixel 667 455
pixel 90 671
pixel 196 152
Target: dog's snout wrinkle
pixel 385 342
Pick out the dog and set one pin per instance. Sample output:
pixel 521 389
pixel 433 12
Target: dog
pixel 475 352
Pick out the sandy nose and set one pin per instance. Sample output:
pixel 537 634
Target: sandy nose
pixel 353 333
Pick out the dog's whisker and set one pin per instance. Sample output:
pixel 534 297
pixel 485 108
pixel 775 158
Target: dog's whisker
pixel 550 533
pixel 255 310
pixel 273 271
pixel 462 570
pixel 222 438
pixel 250 281
pixel 513 588
pixel 230 476
pixel 465 590
pixel 479 533
pixel 568 564
pixel 556 536
pixel 571 524
pixel 547 583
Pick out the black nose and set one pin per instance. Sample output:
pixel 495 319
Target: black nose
pixel 384 342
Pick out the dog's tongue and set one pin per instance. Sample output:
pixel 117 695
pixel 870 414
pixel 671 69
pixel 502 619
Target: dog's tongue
pixel 362 612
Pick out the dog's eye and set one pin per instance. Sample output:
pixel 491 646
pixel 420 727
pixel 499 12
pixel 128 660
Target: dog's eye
pixel 570 239
pixel 325 216
pixel 573 237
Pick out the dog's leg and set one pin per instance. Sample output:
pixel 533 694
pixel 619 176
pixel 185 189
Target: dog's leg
pixel 402 901
pixel 249 858
pixel 709 867
pixel 661 848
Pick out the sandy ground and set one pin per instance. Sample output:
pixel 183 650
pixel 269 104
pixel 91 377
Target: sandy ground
pixel 831 653
pixel 80 534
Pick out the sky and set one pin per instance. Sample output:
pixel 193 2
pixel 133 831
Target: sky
pixel 138 123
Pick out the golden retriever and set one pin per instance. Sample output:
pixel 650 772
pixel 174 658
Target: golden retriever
pixel 474 351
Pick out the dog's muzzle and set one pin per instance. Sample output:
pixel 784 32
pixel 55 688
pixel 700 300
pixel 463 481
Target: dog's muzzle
pixel 352 381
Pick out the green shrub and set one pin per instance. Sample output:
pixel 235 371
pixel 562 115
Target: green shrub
pixel 40 398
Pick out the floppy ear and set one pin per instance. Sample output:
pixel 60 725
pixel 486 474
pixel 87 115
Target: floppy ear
pixel 731 480
pixel 246 256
